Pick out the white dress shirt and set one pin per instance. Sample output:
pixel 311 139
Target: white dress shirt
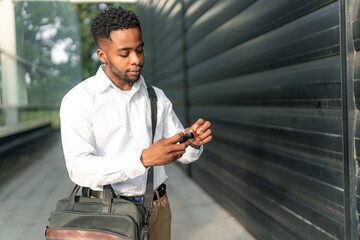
pixel 104 131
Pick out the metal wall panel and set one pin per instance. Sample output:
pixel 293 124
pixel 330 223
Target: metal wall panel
pixel 270 78
pixel 354 78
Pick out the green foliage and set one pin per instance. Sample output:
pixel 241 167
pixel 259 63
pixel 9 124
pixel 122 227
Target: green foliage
pixel 55 123
pixel 86 12
pixel 48 40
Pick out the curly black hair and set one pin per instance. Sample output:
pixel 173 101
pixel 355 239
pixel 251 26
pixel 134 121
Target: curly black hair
pixel 113 19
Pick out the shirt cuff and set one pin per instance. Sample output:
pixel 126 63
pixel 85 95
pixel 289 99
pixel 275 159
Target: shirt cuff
pixel 191 155
pixel 194 151
pixel 134 167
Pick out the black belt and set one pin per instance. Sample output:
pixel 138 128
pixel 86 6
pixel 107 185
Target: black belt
pixel 140 199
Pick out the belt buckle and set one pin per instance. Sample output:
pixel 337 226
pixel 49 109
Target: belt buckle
pixel 139 199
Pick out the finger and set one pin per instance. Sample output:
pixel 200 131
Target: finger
pixel 206 140
pixel 196 125
pixel 179 147
pixel 203 141
pixel 187 130
pixel 177 154
pixel 187 143
pixel 200 139
pixel 203 128
pixel 176 138
pixel 205 134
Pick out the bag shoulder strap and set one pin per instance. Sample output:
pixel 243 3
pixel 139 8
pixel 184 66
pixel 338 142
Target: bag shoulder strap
pixel 149 195
pixel 153 102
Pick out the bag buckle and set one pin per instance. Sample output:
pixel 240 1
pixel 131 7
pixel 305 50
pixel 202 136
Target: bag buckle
pixel 147 216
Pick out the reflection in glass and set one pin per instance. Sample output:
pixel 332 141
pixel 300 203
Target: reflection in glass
pixel 1 112
pixel 48 37
pixel 47 63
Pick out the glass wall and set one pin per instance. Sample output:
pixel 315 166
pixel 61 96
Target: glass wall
pixel 44 64
pixel 1 115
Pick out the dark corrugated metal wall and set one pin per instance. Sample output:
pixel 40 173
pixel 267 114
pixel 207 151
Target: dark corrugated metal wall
pixel 269 77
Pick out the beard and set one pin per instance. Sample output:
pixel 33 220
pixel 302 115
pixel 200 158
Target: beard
pixel 129 81
pixel 123 76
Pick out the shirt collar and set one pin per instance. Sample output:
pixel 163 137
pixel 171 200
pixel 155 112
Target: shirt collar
pixel 103 82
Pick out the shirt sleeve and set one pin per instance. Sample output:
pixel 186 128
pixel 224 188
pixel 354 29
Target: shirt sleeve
pixel 84 165
pixel 172 125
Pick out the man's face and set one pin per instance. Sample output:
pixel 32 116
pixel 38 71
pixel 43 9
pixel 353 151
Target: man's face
pixel 123 56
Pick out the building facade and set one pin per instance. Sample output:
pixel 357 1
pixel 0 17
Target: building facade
pixel 280 83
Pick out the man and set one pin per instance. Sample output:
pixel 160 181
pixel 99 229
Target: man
pixel 106 122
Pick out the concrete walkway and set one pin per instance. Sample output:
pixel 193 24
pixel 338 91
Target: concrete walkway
pixel 195 215
pixel 28 194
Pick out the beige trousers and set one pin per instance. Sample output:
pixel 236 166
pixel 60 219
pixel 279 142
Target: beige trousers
pixel 160 219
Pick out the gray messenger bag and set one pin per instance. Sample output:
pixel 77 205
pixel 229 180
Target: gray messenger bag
pixel 106 217
pixel 80 217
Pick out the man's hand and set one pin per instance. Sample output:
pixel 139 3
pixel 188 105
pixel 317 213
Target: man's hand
pixel 202 132
pixel 164 151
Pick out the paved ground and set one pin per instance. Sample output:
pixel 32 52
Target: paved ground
pixel 34 182
pixel 195 215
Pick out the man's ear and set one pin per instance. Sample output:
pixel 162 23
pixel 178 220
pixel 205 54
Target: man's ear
pixel 101 55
